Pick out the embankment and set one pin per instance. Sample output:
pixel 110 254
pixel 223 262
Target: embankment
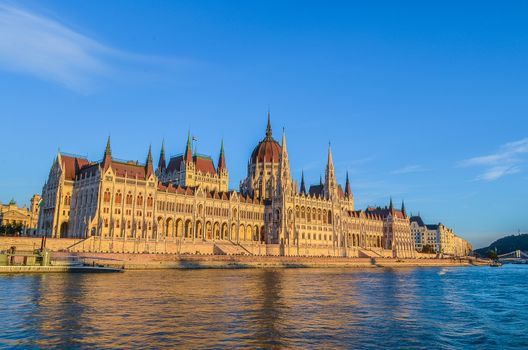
pixel 174 261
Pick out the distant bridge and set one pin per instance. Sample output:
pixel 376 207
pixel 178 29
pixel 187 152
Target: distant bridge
pixel 515 256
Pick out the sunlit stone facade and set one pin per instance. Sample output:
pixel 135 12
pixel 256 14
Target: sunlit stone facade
pixel 21 217
pixel 439 237
pixel 186 201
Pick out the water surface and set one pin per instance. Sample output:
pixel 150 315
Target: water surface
pixel 418 308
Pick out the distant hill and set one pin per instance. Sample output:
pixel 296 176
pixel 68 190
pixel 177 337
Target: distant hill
pixel 506 244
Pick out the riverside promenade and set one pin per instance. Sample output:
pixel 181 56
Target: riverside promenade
pixel 135 261
pixel 205 257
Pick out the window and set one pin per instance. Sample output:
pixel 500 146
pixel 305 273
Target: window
pixel 118 197
pixel 106 196
pixel 150 201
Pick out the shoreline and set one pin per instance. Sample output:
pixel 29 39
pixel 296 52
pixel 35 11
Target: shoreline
pixel 186 261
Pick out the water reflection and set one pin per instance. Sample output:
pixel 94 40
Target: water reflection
pixel 268 308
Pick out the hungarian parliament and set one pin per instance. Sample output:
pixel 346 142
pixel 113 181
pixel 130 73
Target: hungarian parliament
pixel 184 205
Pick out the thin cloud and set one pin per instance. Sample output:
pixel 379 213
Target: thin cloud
pixel 408 170
pixel 506 161
pixel 44 48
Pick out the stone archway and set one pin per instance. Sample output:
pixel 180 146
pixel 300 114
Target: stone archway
pixel 208 230
pixel 179 227
pixel 216 230
pixel 224 231
pixel 199 229
pixel 188 229
pixel 63 230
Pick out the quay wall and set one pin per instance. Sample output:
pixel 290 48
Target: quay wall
pixel 192 261
pixel 142 254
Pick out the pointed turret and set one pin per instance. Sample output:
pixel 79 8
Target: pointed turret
pixel 188 148
pixel 107 158
pixel 348 191
pixel 330 186
pixel 303 186
pixel 284 165
pixel 403 209
pixel 320 180
pixel 268 127
pixel 221 157
pixel 149 167
pixel 391 207
pixel 162 165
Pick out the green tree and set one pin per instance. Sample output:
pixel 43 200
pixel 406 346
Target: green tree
pixel 492 254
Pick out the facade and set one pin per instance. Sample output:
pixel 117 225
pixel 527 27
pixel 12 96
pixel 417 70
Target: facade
pixel 418 232
pixel 186 200
pixel 25 218
pixel 439 237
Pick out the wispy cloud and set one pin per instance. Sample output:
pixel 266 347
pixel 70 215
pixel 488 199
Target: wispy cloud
pixel 505 161
pixel 408 169
pixel 44 48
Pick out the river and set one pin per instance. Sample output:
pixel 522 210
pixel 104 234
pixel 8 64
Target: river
pixel 407 308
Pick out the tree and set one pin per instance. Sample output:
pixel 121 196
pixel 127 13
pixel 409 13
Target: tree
pixel 428 249
pixel 492 254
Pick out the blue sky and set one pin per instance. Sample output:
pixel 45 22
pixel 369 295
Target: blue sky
pixel 422 100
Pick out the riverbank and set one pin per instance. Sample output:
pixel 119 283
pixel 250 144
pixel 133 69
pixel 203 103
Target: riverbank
pixel 188 261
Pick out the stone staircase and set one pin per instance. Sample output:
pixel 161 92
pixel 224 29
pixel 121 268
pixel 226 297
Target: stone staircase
pixel 83 244
pixel 230 248
pixel 367 253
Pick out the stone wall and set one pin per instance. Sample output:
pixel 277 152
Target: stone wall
pixel 27 243
pixel 167 261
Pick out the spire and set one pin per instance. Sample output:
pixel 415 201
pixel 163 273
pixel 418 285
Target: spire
pixel 303 186
pixel 330 185
pixel 149 167
pixel 390 204
pixel 188 148
pixel 283 145
pixel 284 165
pixel 162 165
pixel 221 158
pixel 108 151
pixel 348 192
pixel 149 155
pixel 107 158
pixel 268 127
pixel 403 209
pixel 320 180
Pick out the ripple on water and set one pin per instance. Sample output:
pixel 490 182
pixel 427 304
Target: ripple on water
pixel 442 308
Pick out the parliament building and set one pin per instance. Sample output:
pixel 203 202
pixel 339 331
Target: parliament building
pixel 183 205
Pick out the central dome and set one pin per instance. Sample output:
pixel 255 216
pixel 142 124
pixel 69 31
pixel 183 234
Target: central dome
pixel 268 150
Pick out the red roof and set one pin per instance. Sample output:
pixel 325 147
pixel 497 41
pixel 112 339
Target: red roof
pixel 129 169
pixel 204 164
pixel 384 212
pixel 71 165
pixel 268 150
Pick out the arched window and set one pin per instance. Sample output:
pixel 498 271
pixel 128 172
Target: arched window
pixel 106 196
pixel 118 197
pixel 139 200
pixel 129 198
pixel 329 216
pixel 150 201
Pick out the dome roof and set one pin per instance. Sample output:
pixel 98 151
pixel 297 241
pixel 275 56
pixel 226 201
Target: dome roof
pixel 268 150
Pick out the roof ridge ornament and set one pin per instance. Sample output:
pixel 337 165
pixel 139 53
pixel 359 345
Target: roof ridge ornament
pixel 269 132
